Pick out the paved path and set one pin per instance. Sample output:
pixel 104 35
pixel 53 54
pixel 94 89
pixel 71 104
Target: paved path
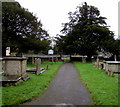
pixel 66 88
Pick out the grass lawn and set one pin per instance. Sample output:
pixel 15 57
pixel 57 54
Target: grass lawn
pixel 31 88
pixel 103 88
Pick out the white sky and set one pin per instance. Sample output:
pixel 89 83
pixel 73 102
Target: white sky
pixel 53 13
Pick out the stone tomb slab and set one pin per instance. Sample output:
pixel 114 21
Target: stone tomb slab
pixel 37 70
pixel 112 67
pixel 9 80
pixel 12 80
pixel 34 70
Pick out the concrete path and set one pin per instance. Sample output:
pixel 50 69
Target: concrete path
pixel 65 89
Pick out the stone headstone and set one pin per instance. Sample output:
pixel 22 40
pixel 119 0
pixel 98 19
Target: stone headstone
pixel 38 63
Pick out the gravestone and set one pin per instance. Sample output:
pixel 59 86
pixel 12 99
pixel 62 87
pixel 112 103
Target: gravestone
pixel 38 70
pixel 38 63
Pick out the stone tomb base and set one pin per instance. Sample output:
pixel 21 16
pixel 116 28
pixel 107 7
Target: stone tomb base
pixel 12 80
pixel 14 70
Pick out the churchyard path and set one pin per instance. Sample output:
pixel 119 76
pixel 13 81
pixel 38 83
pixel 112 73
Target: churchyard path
pixel 65 89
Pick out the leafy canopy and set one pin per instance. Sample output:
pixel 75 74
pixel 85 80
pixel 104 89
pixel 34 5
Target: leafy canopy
pixel 21 29
pixel 85 33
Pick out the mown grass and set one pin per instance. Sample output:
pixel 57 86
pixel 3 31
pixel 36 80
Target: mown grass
pixel 103 88
pixel 31 88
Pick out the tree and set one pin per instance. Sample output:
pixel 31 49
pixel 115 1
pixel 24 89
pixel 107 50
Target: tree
pixel 21 29
pixel 86 31
pixel 113 46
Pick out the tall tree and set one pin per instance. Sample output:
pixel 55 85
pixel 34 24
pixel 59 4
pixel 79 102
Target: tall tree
pixel 20 28
pixel 86 31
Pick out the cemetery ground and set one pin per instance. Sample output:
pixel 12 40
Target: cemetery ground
pixel 103 88
pixel 31 88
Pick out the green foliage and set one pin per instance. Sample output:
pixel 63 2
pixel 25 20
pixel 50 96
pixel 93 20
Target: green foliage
pixel 113 46
pixel 21 29
pixel 85 32
pixel 31 88
pixel 103 88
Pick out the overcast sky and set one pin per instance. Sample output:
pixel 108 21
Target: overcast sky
pixel 53 13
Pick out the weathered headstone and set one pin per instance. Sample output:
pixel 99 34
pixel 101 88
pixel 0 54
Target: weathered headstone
pixel 38 63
